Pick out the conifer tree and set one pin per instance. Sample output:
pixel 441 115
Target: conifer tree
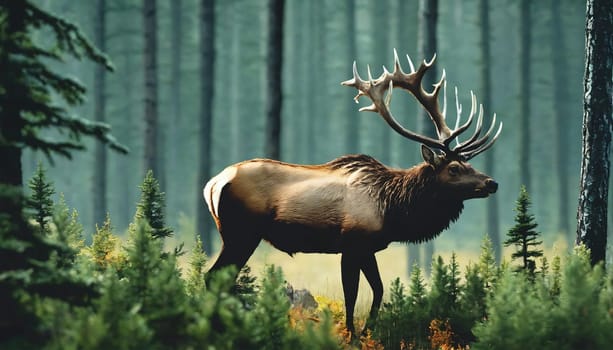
pixel 471 304
pixel 440 296
pixel 152 205
pixel 155 285
pixel 418 303
pixel 194 281
pixel 68 229
pixel 246 288
pixel 103 250
pixel 270 313
pixel 556 276
pixel 523 235
pixel 417 294
pixel 487 264
pixel 40 202
pixel 394 318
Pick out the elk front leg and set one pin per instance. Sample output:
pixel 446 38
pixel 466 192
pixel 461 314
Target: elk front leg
pixel 371 272
pixel 350 275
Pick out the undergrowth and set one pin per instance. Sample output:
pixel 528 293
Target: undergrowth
pixel 116 294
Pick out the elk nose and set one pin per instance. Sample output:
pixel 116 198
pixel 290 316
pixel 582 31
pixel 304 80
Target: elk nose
pixel 491 186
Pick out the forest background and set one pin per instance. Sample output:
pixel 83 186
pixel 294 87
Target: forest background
pixel 320 120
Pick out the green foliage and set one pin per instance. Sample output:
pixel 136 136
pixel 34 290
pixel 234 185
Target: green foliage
pixel 67 227
pixel 37 269
pixel 40 202
pixel 271 312
pixel 471 304
pixel 487 263
pixel 523 235
pixel 151 206
pixel 246 287
pixel 194 280
pixel 29 87
pixel 394 318
pixel 523 315
pixel 104 250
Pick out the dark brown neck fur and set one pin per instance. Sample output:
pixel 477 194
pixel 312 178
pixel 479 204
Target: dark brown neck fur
pixel 414 206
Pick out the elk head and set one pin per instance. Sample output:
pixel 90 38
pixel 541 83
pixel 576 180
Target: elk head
pixel 456 177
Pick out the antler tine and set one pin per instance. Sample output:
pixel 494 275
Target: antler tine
pixel 411 65
pixel 478 127
pixel 397 66
pixel 468 147
pixel 442 129
pixel 458 130
pixel 445 95
pixel 458 108
pixel 469 155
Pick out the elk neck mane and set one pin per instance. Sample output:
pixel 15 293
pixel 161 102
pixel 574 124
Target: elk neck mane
pixel 415 207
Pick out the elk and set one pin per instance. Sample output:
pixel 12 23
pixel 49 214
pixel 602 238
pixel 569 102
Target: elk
pixel 354 205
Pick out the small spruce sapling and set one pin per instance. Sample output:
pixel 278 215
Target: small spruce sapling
pixel 246 287
pixel 40 202
pixel 67 226
pixel 394 317
pixel 524 236
pixel 194 281
pixel 418 304
pixel 271 326
pixel 103 251
pixel 487 264
pixel 151 206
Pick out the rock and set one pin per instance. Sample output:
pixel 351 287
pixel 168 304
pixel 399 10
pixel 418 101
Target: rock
pixel 300 298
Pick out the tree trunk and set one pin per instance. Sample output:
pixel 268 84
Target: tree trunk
pixel 382 52
pixel 11 123
pixel 207 64
pixel 560 98
pixel 597 87
pixel 100 179
pixel 525 34
pixel 175 142
pixel 274 86
pixel 426 48
pixel 486 93
pixel 151 87
pixel 352 133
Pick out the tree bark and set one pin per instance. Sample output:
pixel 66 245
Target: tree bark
pixel 486 93
pixel 11 122
pixel 174 141
pixel 151 87
pixel 426 48
pixel 597 85
pixel 352 133
pixel 560 98
pixel 274 82
pixel 100 166
pixel 207 64
pixel 525 23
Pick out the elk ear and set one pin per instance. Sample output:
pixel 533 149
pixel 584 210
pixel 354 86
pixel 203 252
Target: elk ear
pixel 429 156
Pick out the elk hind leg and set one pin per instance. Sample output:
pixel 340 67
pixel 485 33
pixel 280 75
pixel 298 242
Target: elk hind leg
pixel 371 272
pixel 236 253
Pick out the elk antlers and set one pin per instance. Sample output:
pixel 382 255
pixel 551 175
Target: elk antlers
pixel 375 89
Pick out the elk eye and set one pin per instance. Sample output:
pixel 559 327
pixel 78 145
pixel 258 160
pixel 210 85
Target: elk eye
pixel 454 170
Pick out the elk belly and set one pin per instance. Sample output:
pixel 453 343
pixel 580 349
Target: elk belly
pixel 298 238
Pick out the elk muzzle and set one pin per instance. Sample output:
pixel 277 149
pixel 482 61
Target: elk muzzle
pixel 490 186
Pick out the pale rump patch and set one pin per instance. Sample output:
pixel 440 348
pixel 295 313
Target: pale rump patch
pixel 212 189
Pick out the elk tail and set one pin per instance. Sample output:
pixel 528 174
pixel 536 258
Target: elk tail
pixel 212 192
